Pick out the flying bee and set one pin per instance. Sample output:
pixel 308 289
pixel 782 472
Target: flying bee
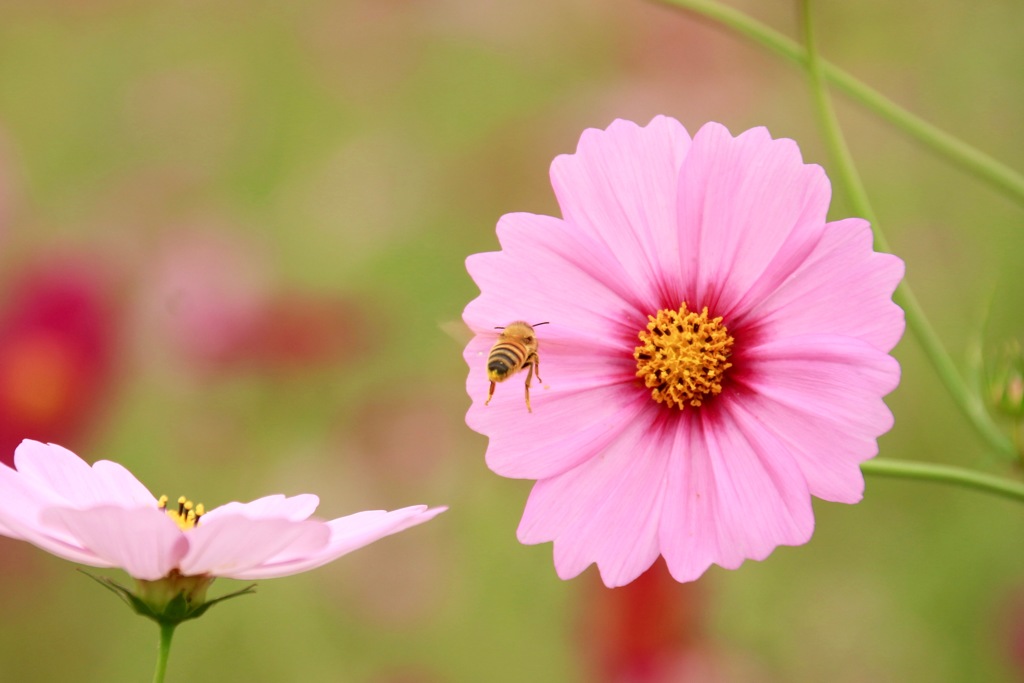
pixel 515 350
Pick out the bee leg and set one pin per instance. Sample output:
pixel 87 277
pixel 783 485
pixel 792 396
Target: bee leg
pixel 529 376
pixel 536 364
pixel 490 394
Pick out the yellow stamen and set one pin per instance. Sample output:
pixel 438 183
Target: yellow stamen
pixel 683 356
pixel 186 516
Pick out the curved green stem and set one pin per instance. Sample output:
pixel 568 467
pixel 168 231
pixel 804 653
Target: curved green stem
pixel 968 401
pixel 995 173
pixel 163 652
pixel 841 157
pixel 946 474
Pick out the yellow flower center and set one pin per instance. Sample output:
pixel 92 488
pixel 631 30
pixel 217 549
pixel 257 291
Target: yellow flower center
pixel 683 356
pixel 186 516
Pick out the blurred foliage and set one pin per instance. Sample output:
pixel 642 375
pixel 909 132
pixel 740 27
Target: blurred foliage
pixel 349 155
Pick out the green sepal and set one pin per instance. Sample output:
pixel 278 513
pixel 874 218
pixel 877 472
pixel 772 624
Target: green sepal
pixel 183 598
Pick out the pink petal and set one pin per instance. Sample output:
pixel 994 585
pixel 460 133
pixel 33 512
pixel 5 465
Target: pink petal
pixel 21 518
pixel 61 476
pixel 22 504
pixel 749 210
pixel 346 534
pixel 229 545
pixel 57 472
pixel 65 550
pixel 145 542
pixel 842 288
pixel 549 271
pixel 585 401
pixel 733 493
pixel 620 187
pixel 605 510
pixel 822 396
pixel 114 484
pixel 294 508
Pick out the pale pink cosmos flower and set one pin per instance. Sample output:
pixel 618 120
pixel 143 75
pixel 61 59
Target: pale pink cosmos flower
pixel 716 354
pixel 102 516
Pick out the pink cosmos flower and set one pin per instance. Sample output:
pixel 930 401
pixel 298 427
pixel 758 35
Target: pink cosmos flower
pixel 104 517
pixel 717 352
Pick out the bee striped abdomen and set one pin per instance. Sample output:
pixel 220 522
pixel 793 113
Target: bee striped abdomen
pixel 504 360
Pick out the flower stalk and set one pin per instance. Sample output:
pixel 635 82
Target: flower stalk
pixel 948 474
pixel 163 651
pixel 954 150
pixel 969 402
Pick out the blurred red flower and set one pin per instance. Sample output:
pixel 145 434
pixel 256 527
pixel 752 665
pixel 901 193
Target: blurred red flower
pixel 293 331
pixel 57 350
pixel 645 631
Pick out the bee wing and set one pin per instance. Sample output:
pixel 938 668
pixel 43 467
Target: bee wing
pixel 457 330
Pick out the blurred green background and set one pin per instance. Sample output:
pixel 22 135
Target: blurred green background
pixel 268 205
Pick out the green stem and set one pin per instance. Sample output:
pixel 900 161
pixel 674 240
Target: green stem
pixel 945 474
pixel 836 142
pixel 968 401
pixel 163 652
pixel 954 150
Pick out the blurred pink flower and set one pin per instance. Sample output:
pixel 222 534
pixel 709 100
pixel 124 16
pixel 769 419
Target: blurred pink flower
pixel 58 341
pixel 102 516
pixel 717 352
pixel 204 293
pixel 212 297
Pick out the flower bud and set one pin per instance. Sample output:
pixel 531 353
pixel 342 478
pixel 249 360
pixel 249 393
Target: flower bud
pixel 1006 383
